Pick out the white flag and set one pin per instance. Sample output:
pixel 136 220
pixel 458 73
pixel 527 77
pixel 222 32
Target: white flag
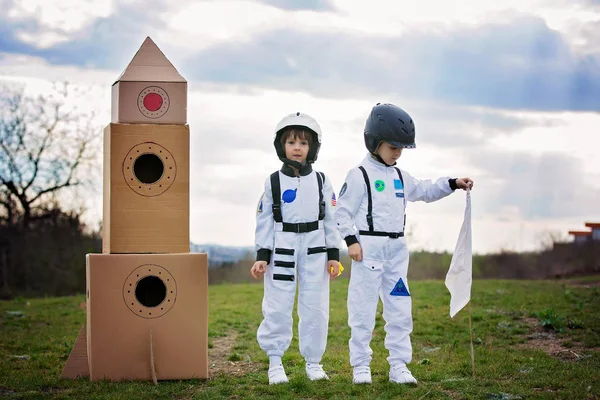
pixel 460 273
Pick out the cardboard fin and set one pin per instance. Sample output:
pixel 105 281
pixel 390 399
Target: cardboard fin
pixel 77 364
pixel 152 369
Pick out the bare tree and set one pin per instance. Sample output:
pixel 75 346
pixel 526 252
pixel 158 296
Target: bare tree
pixel 549 238
pixel 44 143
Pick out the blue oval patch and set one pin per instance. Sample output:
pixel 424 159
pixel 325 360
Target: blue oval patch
pixel 343 190
pixel 289 196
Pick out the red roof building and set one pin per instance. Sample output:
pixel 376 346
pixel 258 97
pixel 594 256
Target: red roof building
pixel 581 236
pixel 595 226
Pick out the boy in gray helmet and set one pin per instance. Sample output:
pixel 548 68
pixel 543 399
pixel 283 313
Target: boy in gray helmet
pixel 370 217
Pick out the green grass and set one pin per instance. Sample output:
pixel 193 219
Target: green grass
pixel 516 324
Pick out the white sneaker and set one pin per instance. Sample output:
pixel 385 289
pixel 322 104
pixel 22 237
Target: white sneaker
pixel 362 374
pixel 400 374
pixel 277 375
pixel 315 372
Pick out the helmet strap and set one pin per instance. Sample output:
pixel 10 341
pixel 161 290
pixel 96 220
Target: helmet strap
pixel 294 163
pixel 299 168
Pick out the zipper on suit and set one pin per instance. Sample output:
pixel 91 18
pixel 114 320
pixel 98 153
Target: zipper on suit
pixel 299 195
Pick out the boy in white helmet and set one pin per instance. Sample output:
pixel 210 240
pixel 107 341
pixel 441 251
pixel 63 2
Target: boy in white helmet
pixel 370 215
pixel 296 241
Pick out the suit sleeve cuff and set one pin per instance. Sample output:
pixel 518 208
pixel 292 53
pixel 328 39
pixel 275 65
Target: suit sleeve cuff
pixel 263 255
pixel 333 254
pixel 452 183
pixel 350 240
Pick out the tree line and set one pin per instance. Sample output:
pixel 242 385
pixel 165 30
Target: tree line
pixel 558 261
pixel 47 146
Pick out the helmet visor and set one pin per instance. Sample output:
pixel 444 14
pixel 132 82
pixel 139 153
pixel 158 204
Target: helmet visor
pixel 402 145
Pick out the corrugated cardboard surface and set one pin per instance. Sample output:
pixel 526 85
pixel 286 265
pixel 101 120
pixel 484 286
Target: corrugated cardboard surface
pixel 135 223
pixel 126 109
pixel 150 64
pixel 119 339
pixel 149 68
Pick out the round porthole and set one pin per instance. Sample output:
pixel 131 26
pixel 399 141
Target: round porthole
pixel 149 169
pixel 150 291
pixel 153 102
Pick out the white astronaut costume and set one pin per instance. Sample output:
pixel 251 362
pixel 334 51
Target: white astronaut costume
pixel 382 273
pixel 297 243
pixel 378 225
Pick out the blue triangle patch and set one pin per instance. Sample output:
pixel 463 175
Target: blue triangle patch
pixel 400 289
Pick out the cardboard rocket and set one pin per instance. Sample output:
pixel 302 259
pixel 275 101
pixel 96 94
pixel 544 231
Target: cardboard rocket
pixel 147 295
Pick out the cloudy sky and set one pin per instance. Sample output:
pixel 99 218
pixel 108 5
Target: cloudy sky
pixel 508 94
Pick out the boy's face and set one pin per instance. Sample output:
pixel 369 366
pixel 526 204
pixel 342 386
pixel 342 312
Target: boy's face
pixel 296 148
pixel 388 153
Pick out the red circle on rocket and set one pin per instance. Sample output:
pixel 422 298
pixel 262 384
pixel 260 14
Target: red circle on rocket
pixel 153 101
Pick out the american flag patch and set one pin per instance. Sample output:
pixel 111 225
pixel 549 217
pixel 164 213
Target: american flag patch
pixel 333 201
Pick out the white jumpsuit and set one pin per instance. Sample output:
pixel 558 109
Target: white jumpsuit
pixel 382 273
pixel 292 257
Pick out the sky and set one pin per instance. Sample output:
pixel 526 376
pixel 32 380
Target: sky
pixel 506 93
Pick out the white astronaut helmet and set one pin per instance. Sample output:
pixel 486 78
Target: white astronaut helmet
pixel 301 121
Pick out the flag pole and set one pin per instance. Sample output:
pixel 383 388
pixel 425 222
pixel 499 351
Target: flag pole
pixel 471 335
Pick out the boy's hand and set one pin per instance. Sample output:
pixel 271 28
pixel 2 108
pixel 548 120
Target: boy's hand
pixel 355 251
pixel 464 183
pixel 258 269
pixel 334 268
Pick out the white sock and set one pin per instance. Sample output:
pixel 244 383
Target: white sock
pixel 274 361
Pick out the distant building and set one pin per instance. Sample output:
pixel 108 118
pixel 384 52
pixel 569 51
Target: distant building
pixel 581 236
pixel 584 236
pixel 595 226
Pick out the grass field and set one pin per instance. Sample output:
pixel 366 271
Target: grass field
pixel 532 340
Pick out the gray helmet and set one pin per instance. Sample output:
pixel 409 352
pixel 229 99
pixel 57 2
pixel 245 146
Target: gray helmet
pixel 389 123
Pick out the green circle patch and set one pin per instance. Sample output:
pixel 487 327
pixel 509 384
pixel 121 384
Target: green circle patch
pixel 379 185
